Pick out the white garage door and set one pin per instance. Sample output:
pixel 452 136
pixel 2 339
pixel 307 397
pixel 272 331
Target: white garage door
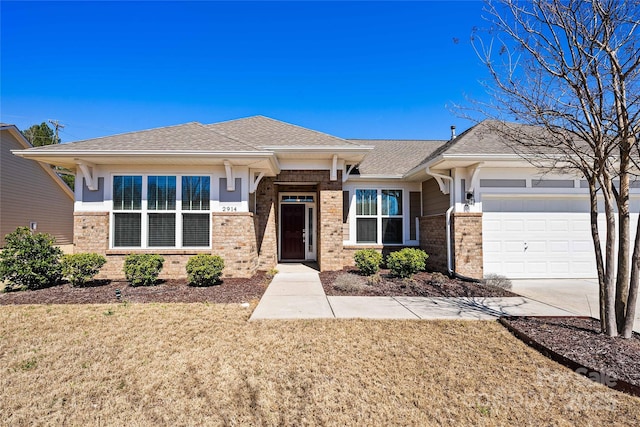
pixel 537 238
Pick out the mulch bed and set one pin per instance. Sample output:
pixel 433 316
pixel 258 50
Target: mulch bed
pixel 101 292
pixel 601 358
pixel 349 282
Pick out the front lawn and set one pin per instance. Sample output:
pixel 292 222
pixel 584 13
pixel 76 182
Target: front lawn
pixel 204 364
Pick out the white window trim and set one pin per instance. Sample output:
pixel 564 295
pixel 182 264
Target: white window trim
pixel 354 216
pixel 144 212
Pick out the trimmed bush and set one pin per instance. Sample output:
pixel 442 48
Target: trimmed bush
pixel 30 261
pixel 79 269
pixel 407 262
pixel 142 269
pixel 368 261
pixel 204 270
pixel 497 280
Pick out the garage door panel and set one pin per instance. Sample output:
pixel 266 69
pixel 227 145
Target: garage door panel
pixel 536 225
pixel 560 267
pixel 514 268
pixel 561 226
pixel 491 247
pixel 513 225
pixel 491 225
pixel 513 246
pixel 582 246
pixel 534 247
pixel 558 245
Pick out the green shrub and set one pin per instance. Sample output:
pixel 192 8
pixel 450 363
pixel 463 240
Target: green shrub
pixel 142 269
pixel 29 261
pixel 204 270
pixel 368 261
pixel 78 269
pixel 407 262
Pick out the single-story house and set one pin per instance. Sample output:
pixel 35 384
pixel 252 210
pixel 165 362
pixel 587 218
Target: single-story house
pixel 31 193
pixel 258 191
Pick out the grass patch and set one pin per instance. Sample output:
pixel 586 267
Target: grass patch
pixel 204 364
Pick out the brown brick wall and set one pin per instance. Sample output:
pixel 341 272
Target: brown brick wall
pixel 330 224
pixel 433 240
pixel 91 232
pixel 265 224
pixel 467 232
pixel 233 238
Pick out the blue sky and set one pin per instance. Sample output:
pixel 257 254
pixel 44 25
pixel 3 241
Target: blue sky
pixel 351 69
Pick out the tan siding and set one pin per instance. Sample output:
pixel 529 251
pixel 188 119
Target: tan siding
pixel 28 193
pixel 433 201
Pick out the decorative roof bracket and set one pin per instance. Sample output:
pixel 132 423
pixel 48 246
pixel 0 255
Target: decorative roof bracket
pixel 334 168
pixel 345 177
pixel 231 183
pixel 474 169
pixel 255 181
pixel 445 186
pixel 88 171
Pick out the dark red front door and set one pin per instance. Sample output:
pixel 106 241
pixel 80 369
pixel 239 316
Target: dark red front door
pixel 292 227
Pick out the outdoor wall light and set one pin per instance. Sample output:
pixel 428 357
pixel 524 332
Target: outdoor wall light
pixel 469 197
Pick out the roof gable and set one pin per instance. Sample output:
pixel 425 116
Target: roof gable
pixel 395 157
pixel 264 132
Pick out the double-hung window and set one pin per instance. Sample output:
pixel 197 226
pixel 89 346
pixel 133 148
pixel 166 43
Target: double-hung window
pixel 127 207
pixel 169 212
pixel 196 219
pixel 379 216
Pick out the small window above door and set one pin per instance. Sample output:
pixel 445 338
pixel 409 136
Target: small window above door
pixel 288 198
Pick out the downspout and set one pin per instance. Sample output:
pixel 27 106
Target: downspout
pixel 450 267
pixel 449 248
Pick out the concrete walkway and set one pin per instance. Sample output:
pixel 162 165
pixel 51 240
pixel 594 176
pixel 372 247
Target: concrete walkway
pixel 296 293
pixel 579 296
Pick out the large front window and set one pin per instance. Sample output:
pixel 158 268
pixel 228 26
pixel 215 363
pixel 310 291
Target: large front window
pixel 167 212
pixel 379 216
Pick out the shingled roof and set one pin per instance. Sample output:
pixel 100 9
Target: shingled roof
pixel 264 132
pixel 187 137
pixel 394 156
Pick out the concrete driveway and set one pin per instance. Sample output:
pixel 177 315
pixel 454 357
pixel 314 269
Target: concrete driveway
pixel 579 296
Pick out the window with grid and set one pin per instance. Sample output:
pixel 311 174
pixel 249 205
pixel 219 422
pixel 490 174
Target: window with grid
pixel 379 216
pixel 366 216
pixel 127 207
pixel 176 213
pixel 391 216
pixel 196 194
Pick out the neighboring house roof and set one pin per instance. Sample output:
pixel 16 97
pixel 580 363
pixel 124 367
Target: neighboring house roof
pixel 264 132
pixel 24 142
pixel 393 156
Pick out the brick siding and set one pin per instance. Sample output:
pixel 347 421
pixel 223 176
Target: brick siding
pixel 433 240
pixel 467 237
pixel 233 238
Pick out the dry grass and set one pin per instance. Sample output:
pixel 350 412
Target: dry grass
pixel 199 364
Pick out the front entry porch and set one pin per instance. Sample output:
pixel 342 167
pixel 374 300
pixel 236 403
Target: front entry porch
pixel 297 227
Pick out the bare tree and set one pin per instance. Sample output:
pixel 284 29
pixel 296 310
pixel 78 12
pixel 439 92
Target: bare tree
pixel 568 72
